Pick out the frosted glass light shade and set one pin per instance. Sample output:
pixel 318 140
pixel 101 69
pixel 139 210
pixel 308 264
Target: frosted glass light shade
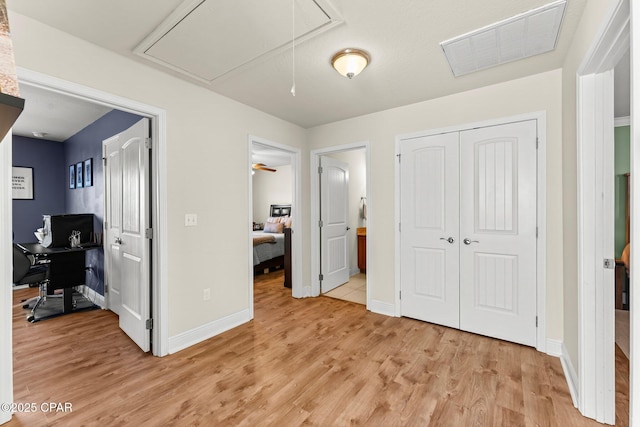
pixel 350 62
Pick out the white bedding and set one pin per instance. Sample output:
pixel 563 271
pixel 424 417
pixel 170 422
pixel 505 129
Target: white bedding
pixel 266 251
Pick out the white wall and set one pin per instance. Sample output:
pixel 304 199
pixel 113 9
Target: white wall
pixel 203 129
pixel 356 159
pixel 540 92
pixel 270 188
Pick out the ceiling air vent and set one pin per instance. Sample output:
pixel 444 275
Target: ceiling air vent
pixel 518 37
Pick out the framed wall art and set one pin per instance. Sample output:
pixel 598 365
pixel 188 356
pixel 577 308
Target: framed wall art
pixel 79 174
pixel 22 183
pixel 72 177
pixel 88 172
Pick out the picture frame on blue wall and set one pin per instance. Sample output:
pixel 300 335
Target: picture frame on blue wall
pixel 72 177
pixel 22 183
pixel 88 172
pixel 79 174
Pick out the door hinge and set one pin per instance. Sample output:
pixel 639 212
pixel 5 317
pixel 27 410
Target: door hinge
pixel 149 324
pixel 147 143
pixel 104 161
pixel 536 232
pixel 609 263
pixel 399 157
pixel 320 170
pixel 106 287
pixel 536 321
pixel 400 294
pixel 320 224
pixel 148 233
pixel 321 277
pixel 537 142
pixel 399 227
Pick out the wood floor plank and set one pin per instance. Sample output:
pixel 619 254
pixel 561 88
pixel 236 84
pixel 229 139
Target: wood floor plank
pixel 315 361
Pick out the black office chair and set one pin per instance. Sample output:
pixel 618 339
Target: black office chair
pixel 27 272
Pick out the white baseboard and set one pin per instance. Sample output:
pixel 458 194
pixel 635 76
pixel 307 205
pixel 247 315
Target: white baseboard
pixel 92 295
pixel 381 307
pixel 354 271
pixel 570 375
pixel 204 332
pixel 554 347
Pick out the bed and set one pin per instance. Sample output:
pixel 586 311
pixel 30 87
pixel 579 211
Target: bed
pixel 271 245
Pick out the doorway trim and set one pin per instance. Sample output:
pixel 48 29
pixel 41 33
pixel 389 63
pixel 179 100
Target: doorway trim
pixel 314 289
pixel 159 273
pixel 296 205
pixel 543 345
pixel 593 390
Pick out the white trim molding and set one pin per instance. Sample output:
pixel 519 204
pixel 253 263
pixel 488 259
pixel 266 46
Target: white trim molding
pixel 569 374
pixel 381 307
pixel 622 121
pixel 6 266
pixel 92 295
pixel 209 330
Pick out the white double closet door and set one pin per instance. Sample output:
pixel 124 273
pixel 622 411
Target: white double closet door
pixel 468 230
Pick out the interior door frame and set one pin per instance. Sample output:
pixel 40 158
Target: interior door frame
pixel 296 204
pixel 314 289
pixel 158 177
pixel 593 388
pixel 6 267
pixel 543 344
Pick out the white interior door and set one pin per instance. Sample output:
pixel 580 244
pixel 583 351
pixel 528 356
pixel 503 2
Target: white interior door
pixel 334 215
pixel 498 232
pixel 127 246
pixel 430 230
pixel 468 239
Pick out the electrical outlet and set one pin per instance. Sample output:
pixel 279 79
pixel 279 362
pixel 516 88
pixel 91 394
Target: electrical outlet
pixel 207 294
pixel 190 220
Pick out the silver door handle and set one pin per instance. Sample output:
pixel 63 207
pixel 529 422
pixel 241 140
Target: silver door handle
pixel 450 239
pixel 118 240
pixel 468 242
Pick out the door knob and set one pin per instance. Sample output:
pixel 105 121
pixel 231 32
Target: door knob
pixel 468 242
pixel 348 228
pixel 450 239
pixel 118 240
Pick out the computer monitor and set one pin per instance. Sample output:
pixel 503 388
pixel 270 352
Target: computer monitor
pixel 62 226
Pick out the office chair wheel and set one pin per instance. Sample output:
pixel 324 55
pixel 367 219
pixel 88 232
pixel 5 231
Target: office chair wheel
pixel 31 319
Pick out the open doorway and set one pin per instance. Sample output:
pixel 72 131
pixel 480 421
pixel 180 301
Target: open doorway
pixel 346 206
pixel 274 201
pixel 352 285
pixel 120 107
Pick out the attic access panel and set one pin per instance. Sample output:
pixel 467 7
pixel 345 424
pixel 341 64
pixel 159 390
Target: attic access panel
pixel 212 38
pixel 528 34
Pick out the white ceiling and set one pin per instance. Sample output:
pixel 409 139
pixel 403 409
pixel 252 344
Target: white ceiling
pixel 402 36
pixel 57 116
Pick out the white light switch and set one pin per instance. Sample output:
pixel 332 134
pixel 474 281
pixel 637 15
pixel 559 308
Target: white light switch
pixel 190 220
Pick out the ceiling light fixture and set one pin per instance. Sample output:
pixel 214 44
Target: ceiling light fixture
pixel 350 62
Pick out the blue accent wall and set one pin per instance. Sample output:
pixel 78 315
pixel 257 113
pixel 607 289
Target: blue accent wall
pixel 49 174
pixel 52 195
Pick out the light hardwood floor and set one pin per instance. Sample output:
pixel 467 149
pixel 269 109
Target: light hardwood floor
pixel 317 361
